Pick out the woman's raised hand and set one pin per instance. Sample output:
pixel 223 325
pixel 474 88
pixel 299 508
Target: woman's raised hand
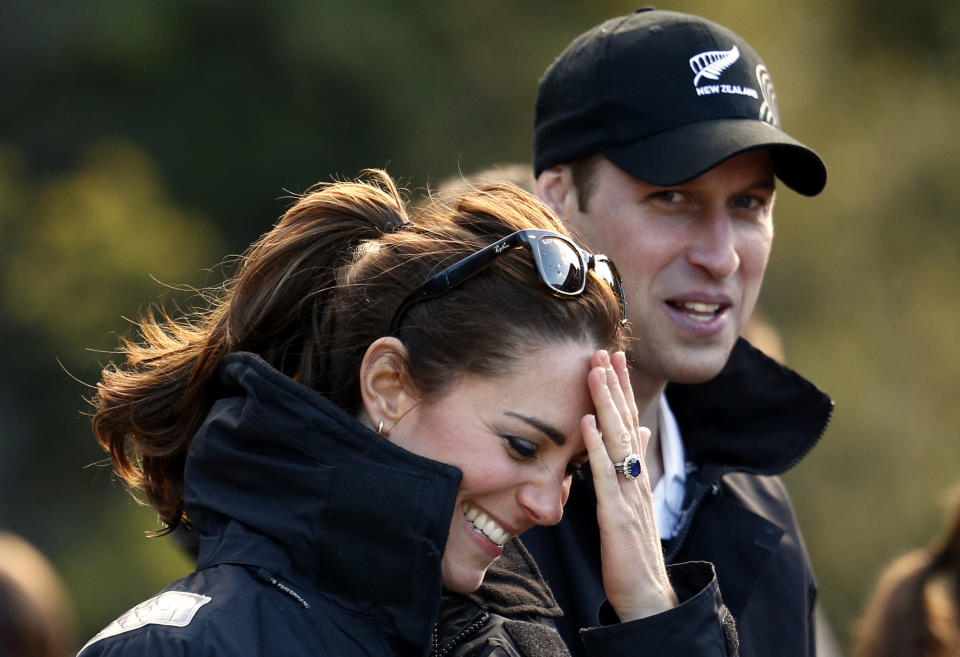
pixel 634 574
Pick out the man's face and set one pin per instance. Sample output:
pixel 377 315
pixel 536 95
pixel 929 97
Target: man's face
pixel 692 258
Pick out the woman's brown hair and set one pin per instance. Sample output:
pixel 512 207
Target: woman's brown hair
pixel 915 609
pixel 314 292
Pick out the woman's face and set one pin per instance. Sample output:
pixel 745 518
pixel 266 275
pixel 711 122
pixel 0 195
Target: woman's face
pixel 516 438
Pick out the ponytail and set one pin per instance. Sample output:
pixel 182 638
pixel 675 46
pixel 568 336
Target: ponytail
pixel 147 412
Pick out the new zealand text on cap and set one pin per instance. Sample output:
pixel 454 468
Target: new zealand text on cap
pixel 665 96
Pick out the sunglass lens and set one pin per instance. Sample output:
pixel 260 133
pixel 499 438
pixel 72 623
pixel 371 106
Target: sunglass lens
pixel 562 266
pixel 603 270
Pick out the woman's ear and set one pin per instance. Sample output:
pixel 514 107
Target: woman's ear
pixel 385 385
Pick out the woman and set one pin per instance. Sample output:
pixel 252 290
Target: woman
pixel 369 414
pixel 914 610
pixel 36 616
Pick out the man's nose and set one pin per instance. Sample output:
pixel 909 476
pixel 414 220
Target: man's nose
pixel 714 247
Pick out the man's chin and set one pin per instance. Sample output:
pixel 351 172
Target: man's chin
pixel 692 377
pixel 697 365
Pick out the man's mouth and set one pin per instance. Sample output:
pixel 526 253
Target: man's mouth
pixel 698 310
pixel 485 524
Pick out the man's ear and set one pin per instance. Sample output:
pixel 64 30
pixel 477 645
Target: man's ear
pixel 387 391
pixel 555 188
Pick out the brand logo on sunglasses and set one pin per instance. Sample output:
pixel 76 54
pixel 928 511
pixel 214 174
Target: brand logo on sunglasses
pixel 500 249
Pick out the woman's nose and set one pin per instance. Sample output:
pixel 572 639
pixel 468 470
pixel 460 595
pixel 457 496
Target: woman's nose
pixel 543 500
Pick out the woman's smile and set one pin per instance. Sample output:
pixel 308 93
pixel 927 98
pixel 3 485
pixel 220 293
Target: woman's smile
pixel 489 535
pixel 516 440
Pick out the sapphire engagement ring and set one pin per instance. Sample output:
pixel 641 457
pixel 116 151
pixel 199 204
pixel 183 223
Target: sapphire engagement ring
pixel 629 467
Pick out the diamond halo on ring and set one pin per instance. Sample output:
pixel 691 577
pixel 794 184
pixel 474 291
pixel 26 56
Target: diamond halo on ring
pixel 630 467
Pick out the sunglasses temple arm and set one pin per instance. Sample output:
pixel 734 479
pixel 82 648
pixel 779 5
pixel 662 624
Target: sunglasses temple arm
pixel 461 272
pixel 457 274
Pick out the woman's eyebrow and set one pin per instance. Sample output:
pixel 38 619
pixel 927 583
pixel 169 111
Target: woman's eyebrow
pixel 549 430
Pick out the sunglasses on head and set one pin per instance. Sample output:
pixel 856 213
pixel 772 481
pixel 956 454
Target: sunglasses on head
pixel 562 266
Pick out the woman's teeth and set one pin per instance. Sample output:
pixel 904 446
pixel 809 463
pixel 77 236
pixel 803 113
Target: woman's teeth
pixel 485 525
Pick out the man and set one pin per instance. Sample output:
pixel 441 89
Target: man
pixel 657 136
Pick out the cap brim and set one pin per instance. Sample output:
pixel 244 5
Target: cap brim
pixel 683 153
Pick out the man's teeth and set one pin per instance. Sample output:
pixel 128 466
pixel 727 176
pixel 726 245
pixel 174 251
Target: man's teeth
pixel 700 311
pixel 485 525
pixel 698 307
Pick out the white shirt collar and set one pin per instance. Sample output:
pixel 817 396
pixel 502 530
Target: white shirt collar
pixel 669 492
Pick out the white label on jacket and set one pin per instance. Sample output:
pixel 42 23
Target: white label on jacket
pixel 175 608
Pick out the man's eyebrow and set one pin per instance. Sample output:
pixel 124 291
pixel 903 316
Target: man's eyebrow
pixel 549 430
pixel 764 182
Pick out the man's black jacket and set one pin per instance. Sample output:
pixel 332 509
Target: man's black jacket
pixel 755 420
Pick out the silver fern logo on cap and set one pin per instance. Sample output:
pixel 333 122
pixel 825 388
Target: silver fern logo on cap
pixel 713 63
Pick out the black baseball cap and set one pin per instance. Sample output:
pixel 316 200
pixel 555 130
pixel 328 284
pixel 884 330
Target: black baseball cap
pixel 665 96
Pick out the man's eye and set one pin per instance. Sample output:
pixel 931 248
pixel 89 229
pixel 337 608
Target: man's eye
pixel 522 447
pixel 669 196
pixel 748 203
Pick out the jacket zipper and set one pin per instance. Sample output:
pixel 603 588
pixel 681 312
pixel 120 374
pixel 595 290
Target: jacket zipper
pixel 463 634
pixel 688 513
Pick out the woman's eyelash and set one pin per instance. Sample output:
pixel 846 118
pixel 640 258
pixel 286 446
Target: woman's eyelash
pixel 522 447
pixel 525 449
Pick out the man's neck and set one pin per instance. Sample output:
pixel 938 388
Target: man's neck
pixel 647 394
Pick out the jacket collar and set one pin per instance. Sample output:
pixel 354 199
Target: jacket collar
pixel 756 415
pixel 513 589
pixel 281 478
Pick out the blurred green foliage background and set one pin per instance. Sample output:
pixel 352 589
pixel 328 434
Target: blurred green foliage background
pixel 140 142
